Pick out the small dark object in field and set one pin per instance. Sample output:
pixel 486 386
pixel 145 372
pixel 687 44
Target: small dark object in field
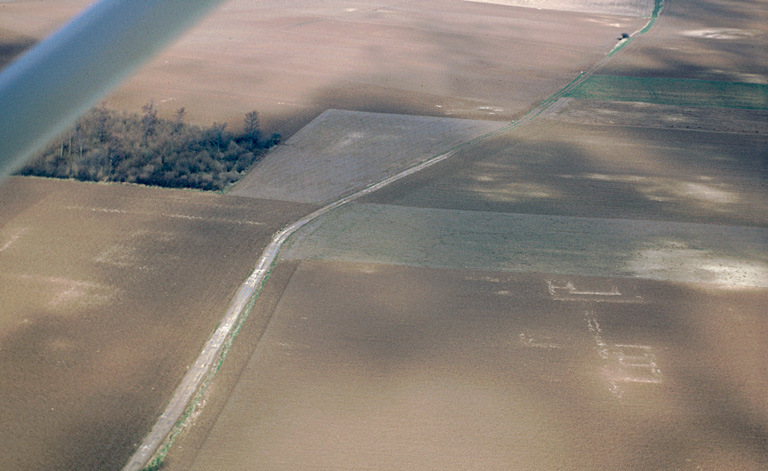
pixel 623 36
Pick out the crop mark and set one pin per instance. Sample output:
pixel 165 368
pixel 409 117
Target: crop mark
pixel 69 292
pixel 568 292
pixel 623 363
pixel 167 215
pixel 127 255
pixel 546 342
pixel 637 363
pixel 14 237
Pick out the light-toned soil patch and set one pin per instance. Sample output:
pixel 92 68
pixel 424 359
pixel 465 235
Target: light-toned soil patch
pixel 108 292
pixel 343 151
pixel 721 33
pixel 635 114
pixel 642 8
pixel 695 253
pixel 371 366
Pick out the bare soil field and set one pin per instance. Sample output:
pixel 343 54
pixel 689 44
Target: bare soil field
pixel 340 152
pixel 611 316
pixel 36 21
pixel 601 170
pixel 369 366
pixel 641 8
pixel 291 61
pixel 107 293
pixel 701 39
pixel 579 292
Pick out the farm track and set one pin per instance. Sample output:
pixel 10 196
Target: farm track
pixel 185 399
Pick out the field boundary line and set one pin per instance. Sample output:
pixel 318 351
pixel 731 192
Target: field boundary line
pixel 185 399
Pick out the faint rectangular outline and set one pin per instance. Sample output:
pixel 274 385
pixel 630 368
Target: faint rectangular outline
pixel 621 366
pixel 568 292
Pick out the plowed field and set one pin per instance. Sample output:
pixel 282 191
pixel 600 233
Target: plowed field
pixel 369 366
pixel 577 292
pixel 340 152
pixel 107 293
pixel 583 291
pixel 291 61
pixel 716 40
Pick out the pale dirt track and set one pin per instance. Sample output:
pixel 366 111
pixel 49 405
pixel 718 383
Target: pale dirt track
pixel 405 142
pixel 190 391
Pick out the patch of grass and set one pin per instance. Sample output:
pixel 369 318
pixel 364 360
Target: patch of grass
pixel 154 466
pixel 674 91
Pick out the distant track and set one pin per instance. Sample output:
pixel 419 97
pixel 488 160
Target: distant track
pixel 186 397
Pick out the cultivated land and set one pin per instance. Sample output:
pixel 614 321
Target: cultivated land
pixel 292 60
pixel 108 293
pixel 642 8
pixel 371 366
pixel 703 39
pixel 340 152
pixel 472 316
pixel 584 291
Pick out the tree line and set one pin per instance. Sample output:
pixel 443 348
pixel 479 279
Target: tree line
pixel 115 146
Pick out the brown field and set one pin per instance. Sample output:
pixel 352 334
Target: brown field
pixel 539 243
pixel 702 39
pixel 107 293
pixel 584 291
pixel 649 115
pixel 340 152
pixel 602 170
pixel 642 8
pixel 577 293
pixel 291 61
pixel 369 366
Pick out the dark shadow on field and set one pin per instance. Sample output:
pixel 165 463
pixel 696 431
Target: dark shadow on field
pixel 453 333
pixel 720 370
pixel 495 64
pixel 65 407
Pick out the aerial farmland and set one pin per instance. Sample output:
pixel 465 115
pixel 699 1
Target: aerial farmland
pixel 575 277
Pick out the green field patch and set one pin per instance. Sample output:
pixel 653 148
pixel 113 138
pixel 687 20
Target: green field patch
pixel 674 91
